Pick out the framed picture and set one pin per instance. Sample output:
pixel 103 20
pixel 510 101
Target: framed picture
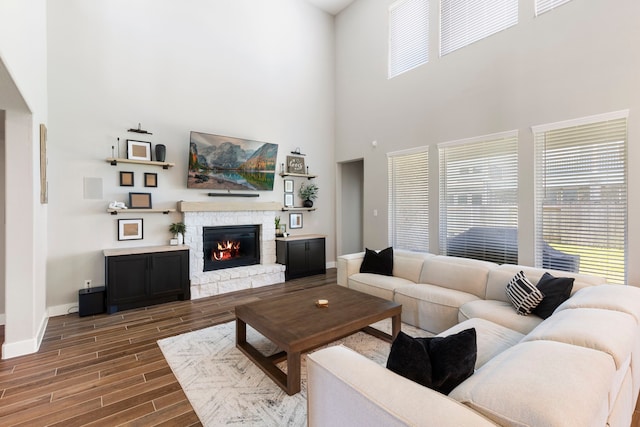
pixel 295 220
pixel 288 200
pixel 130 229
pixel 295 164
pixel 126 179
pixel 138 150
pixel 288 186
pixel 150 179
pixel 140 200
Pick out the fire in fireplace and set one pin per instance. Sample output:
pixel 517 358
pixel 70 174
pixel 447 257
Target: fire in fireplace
pixel 231 246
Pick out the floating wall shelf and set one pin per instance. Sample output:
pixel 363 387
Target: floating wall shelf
pixel 114 161
pixel 139 211
pixel 300 175
pixel 300 208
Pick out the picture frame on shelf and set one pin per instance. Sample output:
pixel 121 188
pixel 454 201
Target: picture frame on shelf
pixel 295 220
pixel 150 179
pixel 130 229
pixel 126 179
pixel 288 200
pixel 138 150
pixel 295 164
pixel 288 186
pixel 140 201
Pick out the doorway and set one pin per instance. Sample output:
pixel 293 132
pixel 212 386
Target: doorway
pixel 350 237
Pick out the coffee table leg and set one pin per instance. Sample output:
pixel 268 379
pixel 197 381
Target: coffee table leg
pixel 395 326
pixel 241 332
pixel 293 373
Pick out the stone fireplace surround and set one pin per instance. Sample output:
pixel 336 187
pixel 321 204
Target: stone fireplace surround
pixel 197 215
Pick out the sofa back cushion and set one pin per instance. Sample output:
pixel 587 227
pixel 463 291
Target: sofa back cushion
pixel 408 265
pixel 461 274
pixel 500 276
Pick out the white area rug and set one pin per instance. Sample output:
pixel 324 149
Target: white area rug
pixel 226 388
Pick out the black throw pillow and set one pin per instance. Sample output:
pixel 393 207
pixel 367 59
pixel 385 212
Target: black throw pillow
pixel 556 290
pixel 453 359
pixel 378 262
pixel 409 357
pixel 440 363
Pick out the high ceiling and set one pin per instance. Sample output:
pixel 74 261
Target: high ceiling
pixel 331 6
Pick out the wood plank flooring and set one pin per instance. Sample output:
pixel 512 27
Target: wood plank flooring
pixel 107 370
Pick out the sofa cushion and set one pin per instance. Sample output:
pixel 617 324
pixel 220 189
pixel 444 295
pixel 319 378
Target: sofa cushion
pixel 611 297
pixel 521 386
pixel 500 276
pixel 523 294
pixel 378 262
pixel 461 274
pixel 499 312
pixel 492 339
pixel 432 308
pixel 556 290
pixel 440 363
pixel 407 267
pixel 377 284
pixel 611 332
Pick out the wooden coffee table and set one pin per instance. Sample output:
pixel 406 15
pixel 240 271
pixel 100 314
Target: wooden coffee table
pixel 295 325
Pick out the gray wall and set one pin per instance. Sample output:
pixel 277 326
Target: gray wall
pixel 578 60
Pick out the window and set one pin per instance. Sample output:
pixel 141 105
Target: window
pixel 543 6
pixel 581 200
pixel 463 22
pixel 409 199
pixel 408 35
pixel 478 198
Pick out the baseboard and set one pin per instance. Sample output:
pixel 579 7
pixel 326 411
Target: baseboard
pixel 29 346
pixel 62 310
pixel 331 264
pixel 3 319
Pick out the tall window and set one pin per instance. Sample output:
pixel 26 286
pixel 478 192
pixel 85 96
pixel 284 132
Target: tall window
pixel 478 198
pixel 463 22
pixel 409 199
pixel 543 6
pixel 581 206
pixel 408 35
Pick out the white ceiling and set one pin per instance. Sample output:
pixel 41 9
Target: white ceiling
pixel 331 6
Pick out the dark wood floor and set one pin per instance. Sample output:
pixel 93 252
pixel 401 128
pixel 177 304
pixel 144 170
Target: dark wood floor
pixel 107 370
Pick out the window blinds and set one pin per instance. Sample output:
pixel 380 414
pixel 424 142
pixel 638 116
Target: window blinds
pixel 409 200
pixel 543 6
pixel 408 35
pixel 478 198
pixel 463 22
pixel 581 182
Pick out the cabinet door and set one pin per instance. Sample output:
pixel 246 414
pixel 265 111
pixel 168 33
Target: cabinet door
pixel 296 258
pixel 316 260
pixel 169 271
pixel 126 278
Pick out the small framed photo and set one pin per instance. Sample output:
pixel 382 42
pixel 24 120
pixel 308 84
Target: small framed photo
pixel 295 220
pixel 288 186
pixel 150 179
pixel 295 164
pixel 288 200
pixel 130 229
pixel 138 150
pixel 140 201
pixel 126 179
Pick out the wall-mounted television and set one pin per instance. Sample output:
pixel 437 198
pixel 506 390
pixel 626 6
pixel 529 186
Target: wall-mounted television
pixel 219 162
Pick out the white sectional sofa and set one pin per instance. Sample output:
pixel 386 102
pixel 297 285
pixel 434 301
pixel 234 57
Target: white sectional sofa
pixel 578 367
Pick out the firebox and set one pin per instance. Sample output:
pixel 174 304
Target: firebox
pixel 231 246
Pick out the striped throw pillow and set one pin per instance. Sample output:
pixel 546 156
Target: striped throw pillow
pixel 523 294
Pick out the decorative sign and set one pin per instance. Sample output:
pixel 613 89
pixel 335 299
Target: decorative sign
pixel 295 164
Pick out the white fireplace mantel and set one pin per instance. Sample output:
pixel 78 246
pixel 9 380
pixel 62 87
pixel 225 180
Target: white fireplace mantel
pixel 228 206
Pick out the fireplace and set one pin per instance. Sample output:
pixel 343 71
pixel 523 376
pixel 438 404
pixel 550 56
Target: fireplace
pixel 230 246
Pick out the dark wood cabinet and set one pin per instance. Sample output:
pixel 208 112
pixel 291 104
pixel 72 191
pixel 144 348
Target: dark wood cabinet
pixel 139 277
pixel 303 255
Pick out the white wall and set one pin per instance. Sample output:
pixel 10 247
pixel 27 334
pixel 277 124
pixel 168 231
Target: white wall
pixel 577 60
pixel 256 70
pixel 23 96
